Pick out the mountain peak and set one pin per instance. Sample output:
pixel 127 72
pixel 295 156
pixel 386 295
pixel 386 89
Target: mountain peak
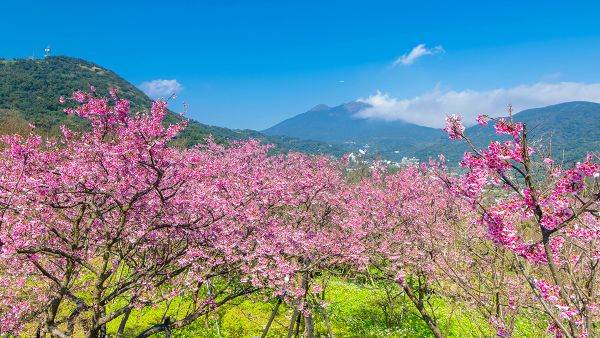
pixel 339 125
pixel 348 107
pixel 355 106
pixel 320 107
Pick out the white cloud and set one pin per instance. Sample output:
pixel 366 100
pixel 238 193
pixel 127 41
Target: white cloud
pixel 431 108
pixel 161 88
pixel 417 52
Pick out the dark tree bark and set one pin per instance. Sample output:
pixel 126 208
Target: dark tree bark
pixel 418 302
pixel 273 314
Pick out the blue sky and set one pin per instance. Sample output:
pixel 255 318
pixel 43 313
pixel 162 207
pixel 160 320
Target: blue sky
pixel 251 64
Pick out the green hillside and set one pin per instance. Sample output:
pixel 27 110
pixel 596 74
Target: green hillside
pixel 29 91
pixel 571 128
pixel 568 130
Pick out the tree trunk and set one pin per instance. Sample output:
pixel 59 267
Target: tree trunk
pixel 123 324
pixel 271 319
pixel 423 311
pixel 167 324
pixel 329 332
pixel 292 324
pixel 298 324
pixel 309 326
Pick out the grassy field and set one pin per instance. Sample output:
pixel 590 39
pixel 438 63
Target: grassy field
pixel 353 311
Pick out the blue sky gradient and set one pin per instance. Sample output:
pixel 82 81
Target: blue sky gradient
pixel 251 64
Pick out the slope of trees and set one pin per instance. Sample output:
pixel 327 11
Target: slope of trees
pixel 101 223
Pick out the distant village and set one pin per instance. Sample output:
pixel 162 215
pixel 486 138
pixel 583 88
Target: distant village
pixel 361 156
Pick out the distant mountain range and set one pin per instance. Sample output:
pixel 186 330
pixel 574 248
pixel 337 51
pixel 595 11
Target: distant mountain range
pixel 29 92
pixel 573 129
pixel 340 126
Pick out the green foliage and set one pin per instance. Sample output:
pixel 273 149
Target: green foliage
pixel 573 128
pixel 31 88
pixel 11 122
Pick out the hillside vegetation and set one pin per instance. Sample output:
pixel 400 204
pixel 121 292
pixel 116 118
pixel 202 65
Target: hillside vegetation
pixel 29 91
pixel 567 131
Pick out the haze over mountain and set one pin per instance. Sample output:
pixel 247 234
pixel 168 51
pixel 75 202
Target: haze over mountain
pixel 339 124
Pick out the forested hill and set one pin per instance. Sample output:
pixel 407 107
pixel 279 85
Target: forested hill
pixel 568 130
pixel 29 92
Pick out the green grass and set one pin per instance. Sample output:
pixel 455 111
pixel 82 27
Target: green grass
pixel 353 311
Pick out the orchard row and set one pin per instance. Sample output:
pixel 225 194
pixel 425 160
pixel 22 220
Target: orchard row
pixel 95 225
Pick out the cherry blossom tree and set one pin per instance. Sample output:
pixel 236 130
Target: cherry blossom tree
pixel 544 214
pixel 101 223
pixel 96 224
pixel 302 233
pixel 405 220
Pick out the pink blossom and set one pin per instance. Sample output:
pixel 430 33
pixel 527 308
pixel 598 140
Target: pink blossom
pixel 482 120
pixel 454 127
pixel 547 290
pixel 504 126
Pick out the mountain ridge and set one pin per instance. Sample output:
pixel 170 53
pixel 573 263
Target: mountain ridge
pixel 340 125
pixel 569 129
pixel 29 90
pixel 573 127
